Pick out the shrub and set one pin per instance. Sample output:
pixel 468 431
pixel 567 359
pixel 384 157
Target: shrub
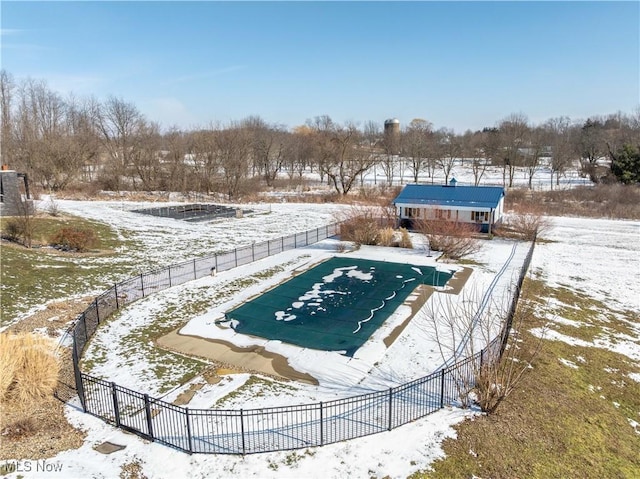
pixel 74 239
pixel 527 223
pixel 454 240
pixel 12 230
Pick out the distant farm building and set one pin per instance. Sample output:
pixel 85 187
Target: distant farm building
pixel 479 205
pixel 14 193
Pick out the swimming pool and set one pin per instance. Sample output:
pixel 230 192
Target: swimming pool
pixel 334 306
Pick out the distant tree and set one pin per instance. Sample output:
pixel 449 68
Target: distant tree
pixel 415 145
pixel 174 148
pixel 298 151
pixel 559 130
pixel 513 134
pixel 340 154
pixel 625 164
pixel 119 125
pixel 7 91
pixel 591 147
pixel 267 147
pixel 538 141
pixel 472 149
pixel 450 146
pixel 233 146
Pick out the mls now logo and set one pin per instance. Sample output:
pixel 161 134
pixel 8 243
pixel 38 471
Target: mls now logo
pixel 41 465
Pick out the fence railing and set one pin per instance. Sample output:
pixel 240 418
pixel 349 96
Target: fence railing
pixel 248 431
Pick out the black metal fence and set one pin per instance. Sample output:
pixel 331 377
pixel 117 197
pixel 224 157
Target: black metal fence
pixel 248 431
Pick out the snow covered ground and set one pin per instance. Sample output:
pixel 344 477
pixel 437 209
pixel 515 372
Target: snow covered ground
pixel 598 257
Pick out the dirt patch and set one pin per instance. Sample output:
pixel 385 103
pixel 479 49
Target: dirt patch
pixel 53 318
pixel 49 434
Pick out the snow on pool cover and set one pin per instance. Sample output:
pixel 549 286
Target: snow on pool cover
pixel 335 306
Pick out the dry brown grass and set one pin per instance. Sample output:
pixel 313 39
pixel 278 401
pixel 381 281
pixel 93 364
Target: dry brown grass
pixel 29 369
pixel 405 239
pixel 597 201
pixel 385 237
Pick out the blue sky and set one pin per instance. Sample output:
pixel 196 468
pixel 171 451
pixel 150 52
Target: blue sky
pixel 457 64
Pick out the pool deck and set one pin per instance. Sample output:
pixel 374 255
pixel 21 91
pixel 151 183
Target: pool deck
pixel 258 360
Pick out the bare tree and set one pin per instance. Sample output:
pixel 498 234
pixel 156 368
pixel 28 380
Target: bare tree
pixel 488 331
pixel 298 150
pixel 204 158
pixel 340 154
pixel 513 130
pixel 591 146
pixel 7 88
pixel 415 145
pixel 538 141
pixel 450 147
pixel 119 124
pixel 472 147
pixel 267 147
pixel 233 146
pixel 561 150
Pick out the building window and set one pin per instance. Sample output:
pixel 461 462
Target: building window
pixel 479 216
pixel 412 212
pixel 443 214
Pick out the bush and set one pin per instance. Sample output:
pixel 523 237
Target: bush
pixel 454 240
pixel 74 239
pixel 12 230
pixel 527 224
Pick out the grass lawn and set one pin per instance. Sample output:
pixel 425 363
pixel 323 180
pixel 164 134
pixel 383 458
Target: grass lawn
pixel 571 416
pixel 34 276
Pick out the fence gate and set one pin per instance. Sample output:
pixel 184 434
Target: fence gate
pixel 133 410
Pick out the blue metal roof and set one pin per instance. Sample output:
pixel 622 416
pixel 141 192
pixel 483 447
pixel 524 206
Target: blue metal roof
pixel 480 196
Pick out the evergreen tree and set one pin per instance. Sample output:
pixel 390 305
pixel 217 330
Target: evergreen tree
pixel 625 164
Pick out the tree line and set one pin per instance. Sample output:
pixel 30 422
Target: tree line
pixel 62 142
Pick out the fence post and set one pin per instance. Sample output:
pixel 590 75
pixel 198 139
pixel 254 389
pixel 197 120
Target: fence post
pixel 142 283
pixel 442 390
pixel 481 358
pixel 321 426
pixel 268 248
pixel 216 260
pixel 390 407
pixel 169 275
pixel 253 251
pixel 116 408
pixel 78 376
pixel 307 235
pixel 189 430
pixel 235 253
pixel 84 323
pixel 195 273
pixel 115 289
pixel 147 408
pixel 242 429
pixel 97 312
